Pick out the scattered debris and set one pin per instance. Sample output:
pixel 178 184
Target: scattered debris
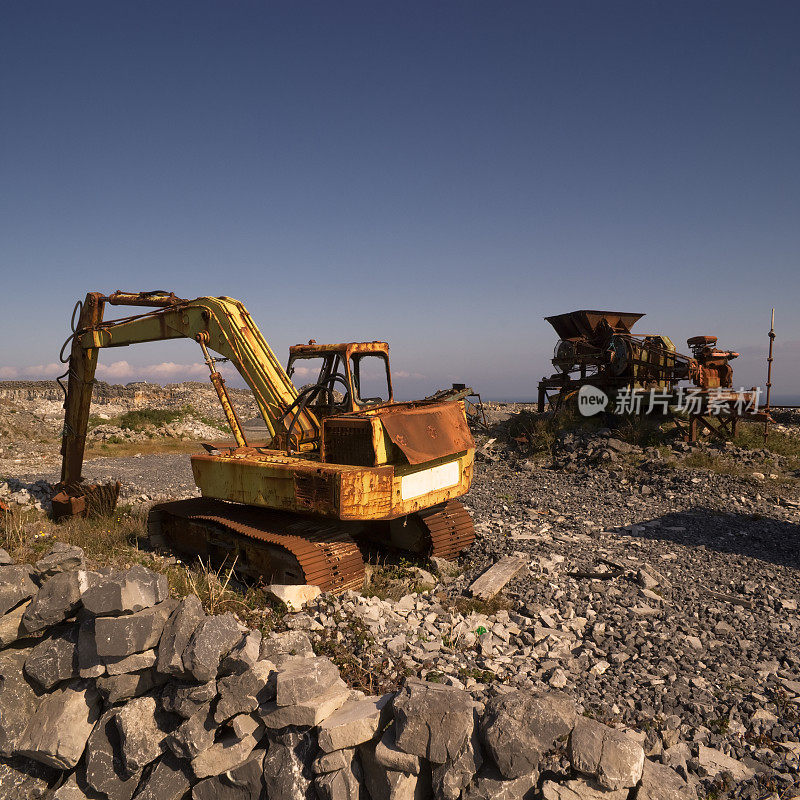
pixel 497 576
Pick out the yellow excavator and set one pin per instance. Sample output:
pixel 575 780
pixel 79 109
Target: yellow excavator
pixel 343 463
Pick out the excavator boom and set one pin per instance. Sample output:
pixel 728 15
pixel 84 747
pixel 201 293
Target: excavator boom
pixel 220 324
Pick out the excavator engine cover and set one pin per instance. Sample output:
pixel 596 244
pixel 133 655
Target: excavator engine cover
pixel 425 434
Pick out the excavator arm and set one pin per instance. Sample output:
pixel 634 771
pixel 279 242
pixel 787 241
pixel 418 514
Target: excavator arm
pixel 219 324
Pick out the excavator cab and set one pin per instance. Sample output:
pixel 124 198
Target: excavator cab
pixel 341 378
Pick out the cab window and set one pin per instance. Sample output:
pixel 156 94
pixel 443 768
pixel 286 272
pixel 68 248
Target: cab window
pixel 325 379
pixel 370 378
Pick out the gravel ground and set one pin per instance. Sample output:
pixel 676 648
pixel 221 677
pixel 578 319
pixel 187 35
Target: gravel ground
pixel 661 597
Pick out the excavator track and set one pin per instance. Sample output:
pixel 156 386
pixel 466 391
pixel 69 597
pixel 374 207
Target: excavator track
pixel 284 548
pixel 450 528
pixel 274 545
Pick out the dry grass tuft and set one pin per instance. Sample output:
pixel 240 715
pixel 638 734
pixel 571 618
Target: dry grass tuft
pixel 117 540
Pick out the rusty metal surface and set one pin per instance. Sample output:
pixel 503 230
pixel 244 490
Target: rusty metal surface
pixel 584 324
pixel 427 433
pixel 85 500
pixel 345 348
pixel 450 528
pixel 459 391
pixel 709 369
pixel 597 348
pixel 325 552
pixel 81 366
pixel 152 299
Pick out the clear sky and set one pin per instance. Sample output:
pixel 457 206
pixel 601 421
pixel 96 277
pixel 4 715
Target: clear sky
pixel 441 175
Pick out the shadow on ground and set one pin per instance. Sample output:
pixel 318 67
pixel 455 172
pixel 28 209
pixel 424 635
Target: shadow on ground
pixel 775 541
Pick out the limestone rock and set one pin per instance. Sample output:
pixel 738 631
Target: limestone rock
pixel 105 769
pixel 54 659
pixel 116 688
pixel 120 636
pixel 613 758
pixel 177 632
pixel 662 783
pixel 453 777
pixel 18 699
pixel 245 692
pixel 243 656
pixel 489 784
pixel 333 762
pixel 231 751
pixel 11 628
pixel 715 762
pixel 5 558
pixel 211 641
pixel 60 558
pixel 356 722
pixel 389 755
pixel 126 592
pixel 58 598
pixel 580 790
pixel 74 789
pixel 300 679
pixel 432 721
pixel 387 784
pixel 308 712
pixel 169 779
pixel 184 699
pixel 15 586
pixel 90 665
pixel 295 595
pixel 286 772
pixel 143 729
pixel 245 782
pixel 341 784
pixel 193 735
pixel 56 734
pixel 279 647
pixel 132 663
pixel 28 783
pixel 518 728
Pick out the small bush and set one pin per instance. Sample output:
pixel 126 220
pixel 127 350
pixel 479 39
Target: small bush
pixel 473 605
pixel 751 436
pixel 141 418
pixel 537 432
pixel 393 581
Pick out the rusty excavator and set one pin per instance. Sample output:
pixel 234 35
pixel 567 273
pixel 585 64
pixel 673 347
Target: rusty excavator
pixel 344 463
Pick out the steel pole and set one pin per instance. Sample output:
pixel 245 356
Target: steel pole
pixel 769 373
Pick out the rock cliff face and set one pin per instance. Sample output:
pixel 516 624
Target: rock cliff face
pixel 113 689
pixel 131 395
pixel 32 419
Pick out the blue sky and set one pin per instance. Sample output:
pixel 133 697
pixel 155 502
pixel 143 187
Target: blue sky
pixel 440 175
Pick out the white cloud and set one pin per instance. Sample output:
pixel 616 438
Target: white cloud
pixel 402 374
pixel 169 369
pixel 116 370
pixel 165 371
pixel 123 372
pixel 51 370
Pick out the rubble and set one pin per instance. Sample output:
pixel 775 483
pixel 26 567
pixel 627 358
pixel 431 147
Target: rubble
pixel 287 727
pixel 126 592
pixel 57 732
pixel 707 658
pixel 15 586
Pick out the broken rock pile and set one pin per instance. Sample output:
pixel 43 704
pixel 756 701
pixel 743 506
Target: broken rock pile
pixel 112 689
